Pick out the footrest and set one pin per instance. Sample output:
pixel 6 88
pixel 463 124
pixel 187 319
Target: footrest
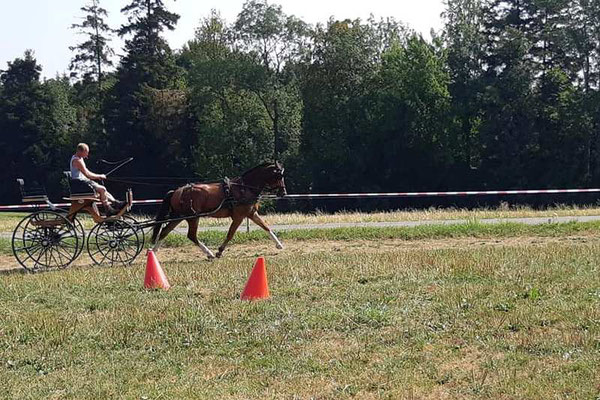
pixel 34 199
pixel 75 197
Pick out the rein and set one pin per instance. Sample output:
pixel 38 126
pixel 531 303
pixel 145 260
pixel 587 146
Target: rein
pixel 130 180
pixel 248 186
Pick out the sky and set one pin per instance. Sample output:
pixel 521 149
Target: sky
pixel 44 25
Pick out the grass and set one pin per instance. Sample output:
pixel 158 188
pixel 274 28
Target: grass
pixel 470 229
pixel 504 211
pixel 9 220
pixel 492 322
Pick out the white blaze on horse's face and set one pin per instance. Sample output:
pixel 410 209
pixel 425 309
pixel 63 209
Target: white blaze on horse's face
pixel 278 182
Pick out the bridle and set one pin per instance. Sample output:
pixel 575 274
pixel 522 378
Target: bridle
pixel 280 184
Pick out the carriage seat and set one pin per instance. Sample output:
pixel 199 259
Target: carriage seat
pixel 79 189
pixel 32 194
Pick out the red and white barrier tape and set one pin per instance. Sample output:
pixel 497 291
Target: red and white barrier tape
pixel 356 195
pixel 44 205
pixel 438 194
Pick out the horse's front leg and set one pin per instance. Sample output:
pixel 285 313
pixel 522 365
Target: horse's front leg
pixel 259 221
pixel 163 234
pixel 235 223
pixel 193 236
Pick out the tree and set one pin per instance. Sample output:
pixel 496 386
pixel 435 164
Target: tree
pixel 148 58
pixel 339 91
pixel 232 129
pixel 508 138
pixel 35 125
pixel 464 43
pixel 94 53
pixel 276 41
pixel 412 138
pixel 148 66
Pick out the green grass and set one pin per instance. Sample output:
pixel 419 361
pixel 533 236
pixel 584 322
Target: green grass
pixel 8 220
pixel 471 229
pixel 493 322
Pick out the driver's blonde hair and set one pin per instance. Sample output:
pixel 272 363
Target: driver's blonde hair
pixel 83 147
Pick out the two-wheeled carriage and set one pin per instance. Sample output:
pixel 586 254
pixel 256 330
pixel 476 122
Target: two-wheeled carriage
pixel 54 237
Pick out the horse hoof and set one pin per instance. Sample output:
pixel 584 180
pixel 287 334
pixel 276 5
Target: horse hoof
pixel 219 254
pixel 280 246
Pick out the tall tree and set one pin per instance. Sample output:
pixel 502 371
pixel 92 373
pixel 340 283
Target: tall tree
pixel 508 138
pixel 339 90
pixel 94 53
pixel 232 128
pixel 412 140
pixel 147 64
pixel 276 41
pixel 35 124
pixel 464 42
pixel 148 58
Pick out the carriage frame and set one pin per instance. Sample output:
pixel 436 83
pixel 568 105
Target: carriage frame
pixel 54 237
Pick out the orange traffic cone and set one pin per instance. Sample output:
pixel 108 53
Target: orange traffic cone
pixel 257 286
pixel 155 277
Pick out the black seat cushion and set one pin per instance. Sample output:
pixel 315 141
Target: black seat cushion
pixel 79 188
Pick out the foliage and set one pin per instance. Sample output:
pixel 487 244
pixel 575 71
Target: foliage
pixel 506 96
pixel 94 53
pixel 35 126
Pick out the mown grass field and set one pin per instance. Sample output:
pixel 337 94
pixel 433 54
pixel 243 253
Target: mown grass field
pixel 8 220
pixel 471 311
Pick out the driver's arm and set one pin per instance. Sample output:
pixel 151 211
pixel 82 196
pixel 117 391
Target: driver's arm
pixel 89 174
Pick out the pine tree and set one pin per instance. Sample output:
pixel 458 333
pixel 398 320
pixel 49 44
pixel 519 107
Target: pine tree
pixel 147 69
pixel 93 54
pixel 148 58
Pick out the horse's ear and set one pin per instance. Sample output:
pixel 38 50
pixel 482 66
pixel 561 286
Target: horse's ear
pixel 278 164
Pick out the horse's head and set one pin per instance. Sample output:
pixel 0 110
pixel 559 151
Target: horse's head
pixel 268 176
pixel 275 181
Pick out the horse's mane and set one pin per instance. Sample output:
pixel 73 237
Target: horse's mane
pixel 263 165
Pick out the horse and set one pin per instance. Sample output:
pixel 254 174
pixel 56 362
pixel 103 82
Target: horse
pixel 235 198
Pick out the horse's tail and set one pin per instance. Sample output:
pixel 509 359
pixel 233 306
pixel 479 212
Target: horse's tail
pixel 163 212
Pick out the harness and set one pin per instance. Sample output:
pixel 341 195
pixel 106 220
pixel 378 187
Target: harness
pixel 234 194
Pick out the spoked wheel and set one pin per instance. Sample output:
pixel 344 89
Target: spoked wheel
pixel 44 240
pixel 113 241
pixel 140 232
pixel 80 235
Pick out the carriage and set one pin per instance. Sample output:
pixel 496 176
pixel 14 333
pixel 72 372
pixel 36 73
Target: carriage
pixel 54 237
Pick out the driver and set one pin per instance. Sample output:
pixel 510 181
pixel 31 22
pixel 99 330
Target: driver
pixel 80 172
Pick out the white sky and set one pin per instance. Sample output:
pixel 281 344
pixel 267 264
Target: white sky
pixel 43 25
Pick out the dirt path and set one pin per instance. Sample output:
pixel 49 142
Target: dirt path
pixel 266 248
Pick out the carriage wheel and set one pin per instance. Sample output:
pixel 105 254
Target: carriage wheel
pixel 140 232
pixel 113 241
pixel 44 240
pixel 80 235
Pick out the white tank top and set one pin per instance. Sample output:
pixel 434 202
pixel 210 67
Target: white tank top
pixel 76 173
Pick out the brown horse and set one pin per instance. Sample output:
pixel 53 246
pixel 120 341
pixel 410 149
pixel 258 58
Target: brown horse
pixel 236 199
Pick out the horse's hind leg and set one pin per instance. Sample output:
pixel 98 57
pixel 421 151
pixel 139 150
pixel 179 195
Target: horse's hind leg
pixel 235 223
pixel 163 234
pixel 258 221
pixel 193 236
